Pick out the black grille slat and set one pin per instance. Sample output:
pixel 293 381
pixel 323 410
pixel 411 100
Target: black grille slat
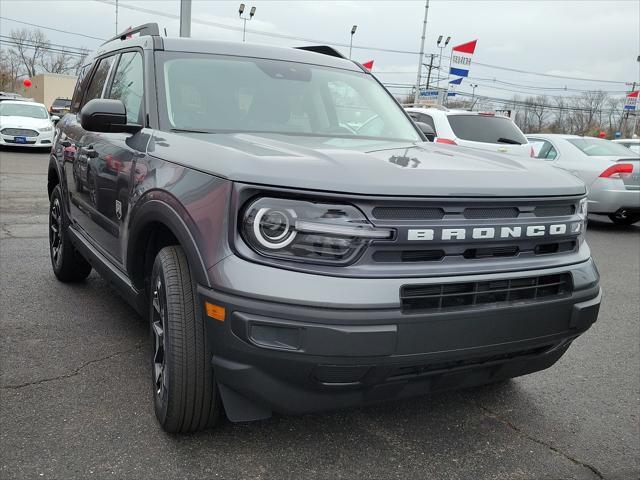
pixel 420 298
pixel 554 210
pixel 491 212
pixel 408 213
pixel 19 132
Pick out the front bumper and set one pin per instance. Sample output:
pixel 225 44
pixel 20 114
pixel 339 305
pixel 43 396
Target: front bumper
pixel 42 140
pixel 293 358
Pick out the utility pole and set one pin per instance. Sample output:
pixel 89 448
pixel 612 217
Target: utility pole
pixel 117 18
pixel 424 31
pixel 185 18
pixel 625 115
pixel 429 68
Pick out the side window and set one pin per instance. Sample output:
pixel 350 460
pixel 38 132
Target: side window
pixel 429 121
pixel 128 85
pixel 552 153
pixel 99 79
pixel 540 147
pixel 77 92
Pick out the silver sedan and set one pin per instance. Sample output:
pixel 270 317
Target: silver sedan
pixel 611 171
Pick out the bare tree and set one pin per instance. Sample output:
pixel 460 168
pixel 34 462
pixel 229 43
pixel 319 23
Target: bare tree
pixel 30 46
pixel 10 70
pixel 60 62
pixel 539 111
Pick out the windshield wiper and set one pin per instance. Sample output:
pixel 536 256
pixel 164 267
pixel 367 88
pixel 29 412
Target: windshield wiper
pixel 188 130
pixel 509 141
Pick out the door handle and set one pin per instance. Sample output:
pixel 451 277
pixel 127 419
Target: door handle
pixel 89 151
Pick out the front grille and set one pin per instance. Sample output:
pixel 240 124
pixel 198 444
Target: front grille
pixel 498 212
pixel 411 371
pixel 490 252
pixel 438 297
pixel 554 210
pixel 19 132
pixel 408 213
pixel 397 256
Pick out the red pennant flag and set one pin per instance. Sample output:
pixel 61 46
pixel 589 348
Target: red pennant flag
pixel 368 65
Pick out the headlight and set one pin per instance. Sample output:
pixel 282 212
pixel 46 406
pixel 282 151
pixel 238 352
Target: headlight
pixel 308 231
pixel 46 129
pixel 583 207
pixel 580 227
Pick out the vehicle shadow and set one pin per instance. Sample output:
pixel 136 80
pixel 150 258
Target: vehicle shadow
pixel 601 223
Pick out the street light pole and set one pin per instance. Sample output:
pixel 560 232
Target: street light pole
pixel 424 31
pixel 353 31
pixel 252 12
pixel 473 94
pixel 441 46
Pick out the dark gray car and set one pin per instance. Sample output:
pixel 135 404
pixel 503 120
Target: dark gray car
pixel 296 243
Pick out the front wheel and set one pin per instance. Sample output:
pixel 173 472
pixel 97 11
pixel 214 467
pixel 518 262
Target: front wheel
pixel 68 265
pixel 628 219
pixel 184 390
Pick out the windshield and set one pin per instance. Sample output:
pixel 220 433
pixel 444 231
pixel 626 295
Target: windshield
pixel 212 93
pixel 486 129
pixel 599 147
pixel 22 110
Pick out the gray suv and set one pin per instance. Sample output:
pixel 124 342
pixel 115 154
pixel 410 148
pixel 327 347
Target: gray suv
pixel 295 242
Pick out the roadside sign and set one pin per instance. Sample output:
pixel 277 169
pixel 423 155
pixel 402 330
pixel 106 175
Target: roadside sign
pixel 431 97
pixel 631 101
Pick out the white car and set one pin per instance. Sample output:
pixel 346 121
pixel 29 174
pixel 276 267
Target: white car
pixel 611 172
pixel 25 124
pixel 481 130
pixel 631 143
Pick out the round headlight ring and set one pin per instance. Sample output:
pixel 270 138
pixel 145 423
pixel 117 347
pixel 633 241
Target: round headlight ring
pixel 282 239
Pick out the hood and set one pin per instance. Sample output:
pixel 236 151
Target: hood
pixel 363 166
pixel 24 122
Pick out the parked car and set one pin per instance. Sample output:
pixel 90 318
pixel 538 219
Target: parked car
pixel 25 124
pixel 295 255
pixel 611 172
pixel 631 143
pixel 60 106
pixel 12 96
pixel 481 130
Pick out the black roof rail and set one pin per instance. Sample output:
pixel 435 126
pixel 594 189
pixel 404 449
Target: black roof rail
pixel 323 49
pixel 146 29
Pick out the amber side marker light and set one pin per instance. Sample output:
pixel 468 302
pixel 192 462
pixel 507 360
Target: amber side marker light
pixel 215 311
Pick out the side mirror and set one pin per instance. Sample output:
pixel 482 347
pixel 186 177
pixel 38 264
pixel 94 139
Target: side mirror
pixel 106 115
pixel 55 118
pixel 427 130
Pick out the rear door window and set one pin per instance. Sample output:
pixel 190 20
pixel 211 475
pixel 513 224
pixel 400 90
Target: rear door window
pixel 486 129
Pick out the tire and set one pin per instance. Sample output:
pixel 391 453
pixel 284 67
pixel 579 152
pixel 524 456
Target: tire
pixel 630 219
pixel 185 394
pixel 68 265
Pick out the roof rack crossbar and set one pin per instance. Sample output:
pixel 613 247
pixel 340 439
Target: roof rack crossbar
pixel 323 49
pixel 146 29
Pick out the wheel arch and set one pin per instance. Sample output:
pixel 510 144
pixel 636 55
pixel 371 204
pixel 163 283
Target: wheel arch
pixel 53 176
pixel 154 225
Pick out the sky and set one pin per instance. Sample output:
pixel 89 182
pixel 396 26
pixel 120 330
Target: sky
pixel 583 39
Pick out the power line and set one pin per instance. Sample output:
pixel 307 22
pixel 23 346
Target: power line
pixel 48 49
pixel 27 42
pixel 339 44
pixel 51 28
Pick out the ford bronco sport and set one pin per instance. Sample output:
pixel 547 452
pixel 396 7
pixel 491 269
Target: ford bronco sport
pixel 295 242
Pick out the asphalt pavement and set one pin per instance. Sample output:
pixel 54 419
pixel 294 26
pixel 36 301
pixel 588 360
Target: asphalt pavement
pixel 75 398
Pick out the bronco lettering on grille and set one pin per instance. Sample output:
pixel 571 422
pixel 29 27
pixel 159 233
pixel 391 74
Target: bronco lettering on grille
pixel 482 233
